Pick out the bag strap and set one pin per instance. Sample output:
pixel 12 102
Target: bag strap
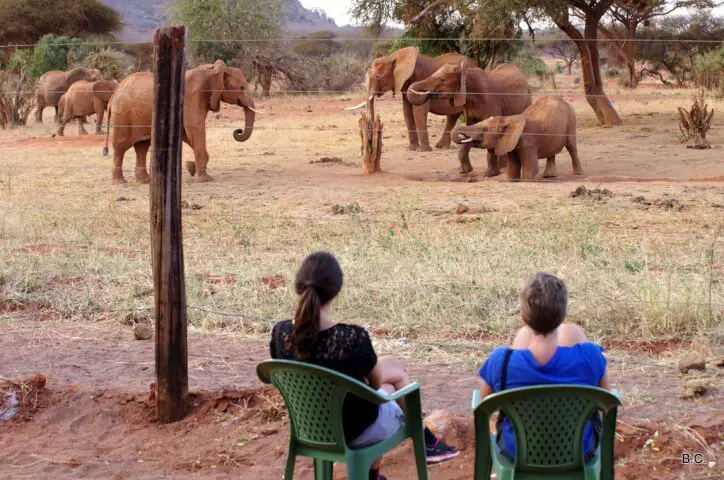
pixel 504 372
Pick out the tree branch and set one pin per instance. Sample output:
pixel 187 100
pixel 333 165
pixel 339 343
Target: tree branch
pixel 416 19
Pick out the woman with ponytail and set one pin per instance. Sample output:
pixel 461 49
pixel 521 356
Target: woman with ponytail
pixel 312 336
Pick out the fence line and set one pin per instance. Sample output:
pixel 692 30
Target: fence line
pixel 382 40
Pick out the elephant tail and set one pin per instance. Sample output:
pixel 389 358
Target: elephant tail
pixel 108 131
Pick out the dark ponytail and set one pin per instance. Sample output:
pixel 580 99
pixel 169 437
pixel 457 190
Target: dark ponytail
pixel 318 281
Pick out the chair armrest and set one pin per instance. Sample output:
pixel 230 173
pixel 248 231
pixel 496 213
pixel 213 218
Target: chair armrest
pixel 476 398
pixel 403 392
pixel 616 392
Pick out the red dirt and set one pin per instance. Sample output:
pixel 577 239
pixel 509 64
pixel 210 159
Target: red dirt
pixel 71 141
pixel 96 419
pixel 654 348
pixel 274 281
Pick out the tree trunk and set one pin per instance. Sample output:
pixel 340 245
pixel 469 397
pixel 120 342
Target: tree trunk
pixel 592 81
pixel 569 64
pixel 629 49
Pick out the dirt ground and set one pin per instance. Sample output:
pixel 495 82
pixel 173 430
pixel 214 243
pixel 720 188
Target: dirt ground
pixel 84 382
pixel 94 418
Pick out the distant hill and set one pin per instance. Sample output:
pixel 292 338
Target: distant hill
pixel 142 17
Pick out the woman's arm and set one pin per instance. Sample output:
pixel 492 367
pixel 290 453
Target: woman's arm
pixel 485 389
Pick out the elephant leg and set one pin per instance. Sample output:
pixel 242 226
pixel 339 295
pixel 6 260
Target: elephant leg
pixel 141 152
pixel 450 122
pixel 550 170
pixel 464 158
pixel 410 124
pixel 40 102
pixel 573 150
pixel 420 114
pixel 513 166
pixel 528 165
pixel 57 114
pixel 81 128
pixel 493 169
pixel 503 161
pixel 61 127
pixel 118 166
pixel 201 156
pixel 99 120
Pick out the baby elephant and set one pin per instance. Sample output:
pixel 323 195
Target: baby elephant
pixel 541 131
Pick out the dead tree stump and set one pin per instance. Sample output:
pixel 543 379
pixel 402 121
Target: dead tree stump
pixel 370 129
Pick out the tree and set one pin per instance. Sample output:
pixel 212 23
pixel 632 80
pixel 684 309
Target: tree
pixel 26 21
pixel 684 37
pixel 564 50
pixel 317 45
pixel 624 19
pixel 558 11
pixel 235 30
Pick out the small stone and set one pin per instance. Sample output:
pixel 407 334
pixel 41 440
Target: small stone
pixel 694 388
pixel 691 362
pixel 123 199
pixel 142 331
pixel 718 361
pixel 462 208
pixel 402 341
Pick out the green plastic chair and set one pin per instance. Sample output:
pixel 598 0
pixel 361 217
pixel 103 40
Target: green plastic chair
pixel 548 421
pixel 314 395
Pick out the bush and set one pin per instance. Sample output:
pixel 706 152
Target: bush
pixel 337 73
pixel 708 71
pixel 532 66
pixel 623 81
pixel 17 98
pixel 612 73
pixel 50 53
pixel 113 64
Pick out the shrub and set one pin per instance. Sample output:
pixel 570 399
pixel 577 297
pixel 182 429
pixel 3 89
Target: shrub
pixel 708 71
pixel 17 98
pixel 532 66
pixel 696 122
pixel 612 73
pixel 112 63
pixel 337 73
pixel 50 53
pixel 577 81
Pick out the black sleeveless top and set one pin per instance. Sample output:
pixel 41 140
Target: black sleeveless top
pixel 346 349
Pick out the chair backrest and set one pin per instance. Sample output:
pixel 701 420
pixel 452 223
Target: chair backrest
pixel 314 397
pixel 549 421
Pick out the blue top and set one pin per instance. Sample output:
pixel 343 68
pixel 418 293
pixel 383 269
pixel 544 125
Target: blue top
pixel 580 364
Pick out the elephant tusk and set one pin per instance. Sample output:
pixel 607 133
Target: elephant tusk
pixel 371 97
pixel 416 92
pixel 355 107
pixel 467 140
pixel 257 111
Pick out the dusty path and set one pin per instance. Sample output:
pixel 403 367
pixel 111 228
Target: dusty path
pixel 94 419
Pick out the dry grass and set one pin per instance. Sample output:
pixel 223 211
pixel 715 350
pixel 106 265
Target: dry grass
pixel 72 248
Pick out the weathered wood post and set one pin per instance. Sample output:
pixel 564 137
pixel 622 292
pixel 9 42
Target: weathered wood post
pixel 172 392
pixel 370 127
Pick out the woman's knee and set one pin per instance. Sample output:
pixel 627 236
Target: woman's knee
pixel 389 370
pixel 570 334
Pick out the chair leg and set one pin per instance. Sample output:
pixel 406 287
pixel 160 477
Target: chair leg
pixel 289 471
pixel 413 415
pixel 323 469
pixel 358 467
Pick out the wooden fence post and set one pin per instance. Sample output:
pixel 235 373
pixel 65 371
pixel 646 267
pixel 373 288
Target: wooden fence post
pixel 370 127
pixel 172 392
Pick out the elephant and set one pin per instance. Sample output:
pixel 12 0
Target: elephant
pixel 53 84
pixel 131 112
pixel 480 93
pixel 396 72
pixel 541 131
pixel 84 98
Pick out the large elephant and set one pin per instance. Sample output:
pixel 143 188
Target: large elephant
pixel 53 84
pixel 481 94
pixel 83 99
pixel 541 131
pixel 131 111
pixel 396 72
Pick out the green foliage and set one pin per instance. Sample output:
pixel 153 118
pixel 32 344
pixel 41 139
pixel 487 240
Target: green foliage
pixel 224 21
pixel 317 45
pixel 708 70
pixel 26 21
pixel 532 66
pixel 50 53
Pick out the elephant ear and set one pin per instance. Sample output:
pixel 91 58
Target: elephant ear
pixel 459 99
pixel 405 59
pixel 511 127
pixel 76 74
pixel 217 85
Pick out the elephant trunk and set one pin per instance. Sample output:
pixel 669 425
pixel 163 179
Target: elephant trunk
pixel 243 134
pixel 465 134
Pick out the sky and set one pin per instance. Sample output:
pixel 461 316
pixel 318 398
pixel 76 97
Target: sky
pixel 336 9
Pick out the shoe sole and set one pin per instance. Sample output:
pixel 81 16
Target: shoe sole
pixel 442 458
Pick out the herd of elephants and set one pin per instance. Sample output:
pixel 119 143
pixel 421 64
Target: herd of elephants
pixel 497 106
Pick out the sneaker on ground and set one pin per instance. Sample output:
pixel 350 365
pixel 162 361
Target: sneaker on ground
pixel 439 452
